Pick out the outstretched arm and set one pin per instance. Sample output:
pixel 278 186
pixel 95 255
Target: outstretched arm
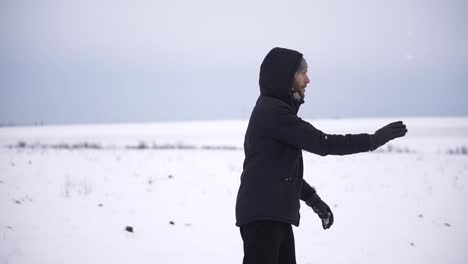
pixel 287 127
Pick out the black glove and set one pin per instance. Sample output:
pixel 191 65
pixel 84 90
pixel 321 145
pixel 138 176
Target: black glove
pixel 387 133
pixel 322 209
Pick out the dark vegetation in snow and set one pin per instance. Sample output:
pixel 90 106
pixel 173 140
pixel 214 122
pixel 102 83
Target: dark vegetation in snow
pixel 140 146
pixel 463 150
pixel 389 148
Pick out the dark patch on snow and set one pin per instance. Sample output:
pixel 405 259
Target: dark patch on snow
pixel 412 244
pixel 82 145
pixel 420 215
pixel 223 147
pixel 389 148
pixel 447 224
pixel 171 222
pixel 463 150
pixel 144 145
pixel 170 176
pixel 100 205
pixel 129 229
pixel 141 145
pixel 24 199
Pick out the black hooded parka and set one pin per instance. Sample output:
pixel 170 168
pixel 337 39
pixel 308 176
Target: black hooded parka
pixel 272 178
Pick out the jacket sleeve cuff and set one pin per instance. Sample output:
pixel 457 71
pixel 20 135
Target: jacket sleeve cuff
pixel 308 192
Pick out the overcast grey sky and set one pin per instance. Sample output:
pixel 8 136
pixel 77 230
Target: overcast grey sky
pixel 110 61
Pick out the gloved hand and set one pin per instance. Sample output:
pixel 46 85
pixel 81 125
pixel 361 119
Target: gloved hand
pixel 322 209
pixel 387 133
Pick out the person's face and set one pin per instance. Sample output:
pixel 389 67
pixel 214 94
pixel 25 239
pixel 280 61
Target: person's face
pixel 300 82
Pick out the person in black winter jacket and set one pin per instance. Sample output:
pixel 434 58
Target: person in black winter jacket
pixel 272 183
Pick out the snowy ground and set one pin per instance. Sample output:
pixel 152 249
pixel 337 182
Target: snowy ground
pixel 67 194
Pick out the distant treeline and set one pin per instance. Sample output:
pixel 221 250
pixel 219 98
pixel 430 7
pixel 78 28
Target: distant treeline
pixel 459 150
pixel 140 146
pixel 21 124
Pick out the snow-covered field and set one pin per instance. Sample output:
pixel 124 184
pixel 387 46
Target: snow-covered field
pixel 68 193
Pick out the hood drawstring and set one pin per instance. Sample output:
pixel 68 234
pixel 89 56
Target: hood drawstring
pixel 295 99
pixel 296 95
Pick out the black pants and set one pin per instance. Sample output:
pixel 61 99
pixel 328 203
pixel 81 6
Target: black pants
pixel 268 242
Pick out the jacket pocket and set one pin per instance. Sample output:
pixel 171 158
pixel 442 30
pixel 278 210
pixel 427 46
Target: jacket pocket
pixel 296 170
